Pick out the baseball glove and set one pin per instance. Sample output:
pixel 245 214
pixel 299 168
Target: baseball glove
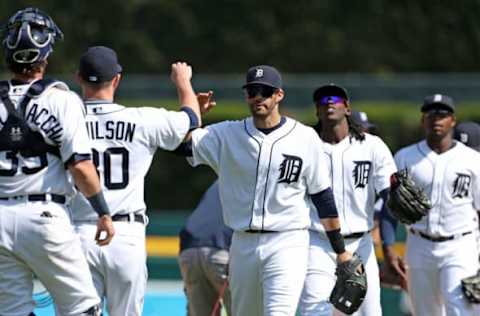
pixel 407 202
pixel 471 288
pixel 351 286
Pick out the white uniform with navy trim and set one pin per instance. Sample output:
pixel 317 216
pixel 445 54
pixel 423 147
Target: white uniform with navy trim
pixel 124 141
pixel 452 182
pixel 37 237
pixel 265 182
pixel 360 169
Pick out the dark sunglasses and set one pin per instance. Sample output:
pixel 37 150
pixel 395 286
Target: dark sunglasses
pixel 438 113
pixel 263 91
pixel 330 100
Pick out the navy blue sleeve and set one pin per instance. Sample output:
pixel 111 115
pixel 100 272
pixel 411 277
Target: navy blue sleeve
pixel 194 121
pixel 325 203
pixel 388 224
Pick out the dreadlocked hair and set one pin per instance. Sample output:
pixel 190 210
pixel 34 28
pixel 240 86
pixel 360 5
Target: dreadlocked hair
pixel 355 130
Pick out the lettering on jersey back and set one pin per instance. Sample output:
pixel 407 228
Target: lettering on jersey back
pixel 46 122
pixel 290 169
pixel 461 185
pixel 361 173
pixel 117 130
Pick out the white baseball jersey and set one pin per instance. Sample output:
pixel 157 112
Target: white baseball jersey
pixel 264 179
pixel 124 141
pixel 37 236
pixel 452 182
pixel 55 114
pixel 359 171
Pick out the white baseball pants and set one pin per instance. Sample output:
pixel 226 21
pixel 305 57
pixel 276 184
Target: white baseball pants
pixel 267 271
pixel 321 278
pixel 38 238
pixel 435 272
pixel 119 269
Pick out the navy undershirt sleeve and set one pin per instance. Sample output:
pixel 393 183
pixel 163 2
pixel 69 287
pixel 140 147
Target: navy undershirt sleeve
pixel 325 203
pixel 388 224
pixel 194 121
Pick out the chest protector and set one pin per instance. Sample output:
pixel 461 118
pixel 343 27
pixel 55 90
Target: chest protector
pixel 16 135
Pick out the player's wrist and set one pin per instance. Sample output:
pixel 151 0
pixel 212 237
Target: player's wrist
pixel 336 241
pixel 99 204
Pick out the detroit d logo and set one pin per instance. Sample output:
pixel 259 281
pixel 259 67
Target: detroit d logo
pixel 361 173
pixel 290 169
pixel 461 185
pixel 259 73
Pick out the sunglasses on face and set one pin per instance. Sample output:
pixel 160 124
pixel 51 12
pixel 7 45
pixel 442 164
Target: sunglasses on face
pixel 438 113
pixel 263 91
pixel 330 100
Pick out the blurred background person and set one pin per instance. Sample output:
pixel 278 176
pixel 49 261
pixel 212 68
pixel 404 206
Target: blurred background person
pixel 203 259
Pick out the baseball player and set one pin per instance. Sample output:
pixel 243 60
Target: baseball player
pixel 361 165
pixel 268 167
pixel 124 141
pixel 441 247
pixel 203 259
pixel 43 133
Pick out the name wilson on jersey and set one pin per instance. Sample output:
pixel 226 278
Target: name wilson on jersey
pixel 117 130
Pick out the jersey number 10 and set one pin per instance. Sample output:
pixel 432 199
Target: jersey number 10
pixel 107 156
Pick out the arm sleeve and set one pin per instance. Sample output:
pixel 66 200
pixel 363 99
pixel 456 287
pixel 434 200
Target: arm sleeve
pixel 74 140
pixel 325 204
pixel 318 173
pixel 384 166
pixel 388 224
pixel 206 146
pixel 165 129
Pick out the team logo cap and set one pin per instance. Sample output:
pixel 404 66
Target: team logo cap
pixel 99 64
pixel 329 90
pixel 469 134
pixel 438 101
pixel 264 75
pixel 361 118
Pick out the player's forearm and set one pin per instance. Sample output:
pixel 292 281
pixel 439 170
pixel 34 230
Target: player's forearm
pixel 85 176
pixel 328 214
pixel 188 99
pixel 388 224
pixel 87 181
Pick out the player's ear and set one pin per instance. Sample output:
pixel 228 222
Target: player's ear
pixel 279 95
pixel 454 120
pixel 116 80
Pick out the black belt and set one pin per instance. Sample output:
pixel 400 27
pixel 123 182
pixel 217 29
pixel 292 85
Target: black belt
pixel 126 218
pixel 439 238
pixel 355 235
pixel 60 199
pixel 260 231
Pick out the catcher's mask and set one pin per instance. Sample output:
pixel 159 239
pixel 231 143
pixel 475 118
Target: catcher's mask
pixel 29 36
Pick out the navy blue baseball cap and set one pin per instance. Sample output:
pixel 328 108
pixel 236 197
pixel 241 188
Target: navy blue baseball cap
pixel 469 134
pixel 264 75
pixel 99 64
pixel 330 90
pixel 361 118
pixel 438 101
